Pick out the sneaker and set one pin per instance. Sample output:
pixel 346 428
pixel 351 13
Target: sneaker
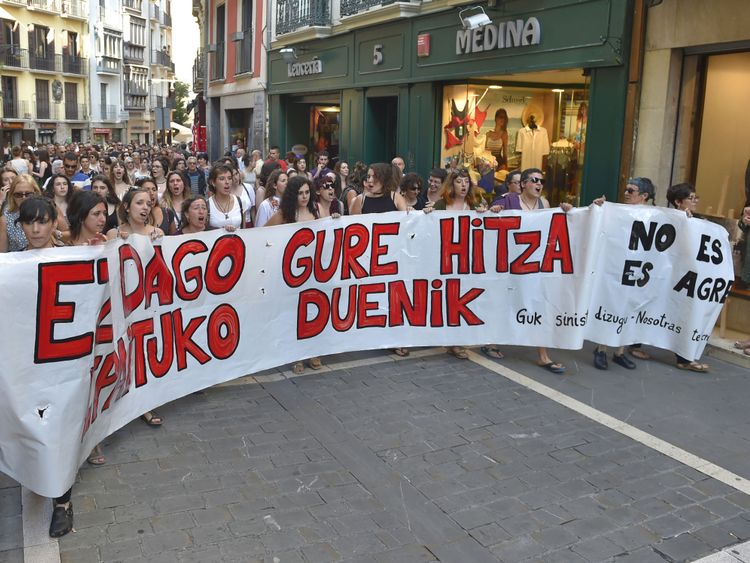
pixel 624 361
pixel 62 521
pixel 600 359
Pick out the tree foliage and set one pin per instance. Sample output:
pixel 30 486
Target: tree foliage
pixel 181 93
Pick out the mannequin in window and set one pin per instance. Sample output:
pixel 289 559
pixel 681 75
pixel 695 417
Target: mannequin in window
pixel 497 139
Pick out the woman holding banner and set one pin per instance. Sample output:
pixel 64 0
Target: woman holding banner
pixel 225 209
pixel 37 218
pixel 297 206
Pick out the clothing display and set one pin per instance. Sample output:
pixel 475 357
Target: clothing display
pixel 496 148
pixel 533 144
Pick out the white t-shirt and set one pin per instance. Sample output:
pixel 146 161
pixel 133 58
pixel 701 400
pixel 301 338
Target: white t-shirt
pixel 266 209
pixel 533 144
pixel 219 219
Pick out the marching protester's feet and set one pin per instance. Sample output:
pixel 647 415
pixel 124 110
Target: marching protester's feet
pixel 151 418
pixel 96 457
pixel 492 352
pixel 743 345
pixel 637 352
pixel 600 359
pixel 315 363
pixel 458 352
pixel 546 362
pixel 62 520
pixel 693 366
pixel 401 352
pixel 624 361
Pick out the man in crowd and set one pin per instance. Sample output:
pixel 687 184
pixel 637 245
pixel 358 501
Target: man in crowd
pixel 196 176
pixel 322 165
pixel 72 170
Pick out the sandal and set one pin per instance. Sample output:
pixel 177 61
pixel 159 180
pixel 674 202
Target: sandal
pixel 492 352
pixel 693 366
pixel 458 352
pixel 742 344
pixel 151 418
pixel 315 363
pixel 554 367
pixel 401 352
pixel 62 520
pixel 298 368
pixel 638 353
pixel 96 457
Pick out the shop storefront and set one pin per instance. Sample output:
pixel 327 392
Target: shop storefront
pixel 526 90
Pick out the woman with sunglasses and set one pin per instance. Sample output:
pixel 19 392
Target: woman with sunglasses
pixel 325 200
pixel 12 238
pixel 529 199
pixel 411 189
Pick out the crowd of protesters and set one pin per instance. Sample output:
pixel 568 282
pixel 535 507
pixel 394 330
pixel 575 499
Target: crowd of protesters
pixel 58 195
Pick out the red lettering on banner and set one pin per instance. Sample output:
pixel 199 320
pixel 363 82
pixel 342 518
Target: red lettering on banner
pixel 223 319
pixel 157 279
pixel 456 305
pixel 477 248
pixel 399 303
pixel 558 245
pixel 502 225
pixel 183 340
pixel 191 274
pixel 130 301
pixel 324 274
pixel 378 249
pixel 350 253
pixel 160 367
pixel 436 304
pixel 339 324
pixel 50 311
pixel 450 247
pixel 364 319
pixel 531 240
pixel 299 239
pixel 307 328
pixel 138 331
pixel 227 247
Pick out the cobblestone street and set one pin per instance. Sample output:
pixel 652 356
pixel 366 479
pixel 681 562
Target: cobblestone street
pixel 424 459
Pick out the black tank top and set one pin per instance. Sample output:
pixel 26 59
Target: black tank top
pixel 382 204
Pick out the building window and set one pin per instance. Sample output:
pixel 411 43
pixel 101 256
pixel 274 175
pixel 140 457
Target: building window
pixel 217 68
pixel 10 99
pixel 103 102
pixel 71 100
pixel 42 51
pixel 42 99
pixel 244 47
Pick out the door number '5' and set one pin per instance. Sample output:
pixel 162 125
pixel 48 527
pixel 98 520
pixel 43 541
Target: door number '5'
pixel 377 54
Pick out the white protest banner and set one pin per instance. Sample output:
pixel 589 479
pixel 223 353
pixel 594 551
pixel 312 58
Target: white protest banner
pixel 190 312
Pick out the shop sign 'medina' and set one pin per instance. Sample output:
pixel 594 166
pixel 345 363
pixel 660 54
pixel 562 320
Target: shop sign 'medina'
pixel 503 35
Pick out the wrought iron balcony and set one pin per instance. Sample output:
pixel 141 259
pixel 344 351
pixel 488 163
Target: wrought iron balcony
pixel 135 5
pixel 199 70
pixel 13 57
pixel 15 109
pixel 216 62
pixel 135 102
pixel 42 62
pixel 108 65
pixel 46 111
pixel 108 113
pixel 72 64
pixel 52 6
pixel 166 19
pixel 351 7
pixel 132 88
pixel 162 59
pixel 75 111
pixel 74 9
pixel 132 53
pixel 293 15
pixel 243 52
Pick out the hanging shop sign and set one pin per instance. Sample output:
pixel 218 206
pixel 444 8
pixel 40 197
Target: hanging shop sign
pixel 503 35
pixel 47 131
pixel 11 125
pixel 102 131
pixel 306 68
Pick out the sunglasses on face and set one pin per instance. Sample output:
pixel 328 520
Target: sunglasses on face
pixel 535 180
pixel 22 195
pixel 631 191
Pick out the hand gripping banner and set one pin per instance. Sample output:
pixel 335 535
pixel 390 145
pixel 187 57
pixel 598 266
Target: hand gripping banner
pixel 93 337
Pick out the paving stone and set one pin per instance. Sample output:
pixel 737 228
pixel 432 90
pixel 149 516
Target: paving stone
pixel 517 549
pixel 685 547
pixel 122 550
pixel 715 536
pixel 597 549
pixel 737 526
pixel 667 526
pixel 320 553
pixel 165 541
pixel 85 555
pixel 642 555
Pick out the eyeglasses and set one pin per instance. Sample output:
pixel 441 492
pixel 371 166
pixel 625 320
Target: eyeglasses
pixel 535 180
pixel 631 191
pixel 70 166
pixel 22 195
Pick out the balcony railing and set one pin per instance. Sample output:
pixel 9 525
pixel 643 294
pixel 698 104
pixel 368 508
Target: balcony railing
pixel 109 65
pixel 132 53
pixel 133 4
pixel 133 88
pixel 243 52
pixel 216 61
pixel 154 12
pixel 46 111
pixel 73 64
pixel 199 70
pixel 15 109
pixel 75 111
pixel 108 113
pixel 52 6
pixel 135 102
pixel 74 9
pixel 166 19
pixel 292 15
pixel 13 57
pixel 351 7
pixel 46 62
pixel 161 58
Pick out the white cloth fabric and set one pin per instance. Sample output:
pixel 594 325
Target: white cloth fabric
pixel 266 209
pixel 533 144
pixel 219 219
